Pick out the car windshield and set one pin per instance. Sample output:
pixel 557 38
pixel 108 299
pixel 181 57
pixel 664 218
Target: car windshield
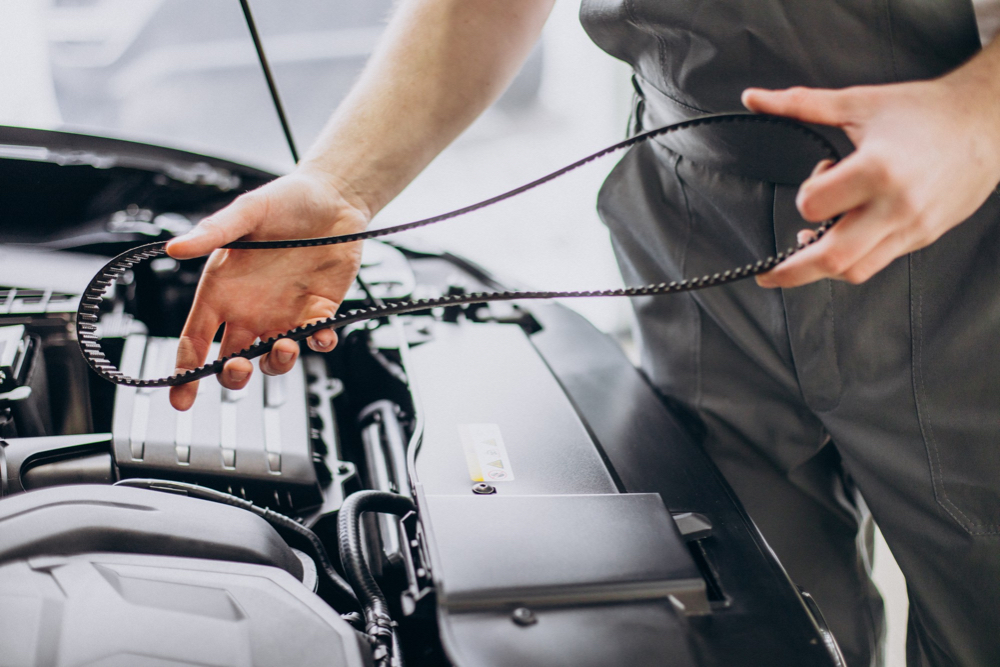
pixel 184 73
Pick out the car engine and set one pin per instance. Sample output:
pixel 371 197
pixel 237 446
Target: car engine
pixel 492 484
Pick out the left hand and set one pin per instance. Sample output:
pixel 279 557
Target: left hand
pixel 928 156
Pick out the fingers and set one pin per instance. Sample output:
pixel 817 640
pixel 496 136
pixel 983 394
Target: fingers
pixel 846 244
pixel 804 236
pixel 323 340
pixel 833 189
pixel 236 373
pixel 195 341
pixel 281 358
pixel 810 105
pixel 893 246
pixel 236 220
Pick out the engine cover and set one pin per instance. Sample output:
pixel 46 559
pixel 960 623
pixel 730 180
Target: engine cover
pixel 130 610
pixel 254 442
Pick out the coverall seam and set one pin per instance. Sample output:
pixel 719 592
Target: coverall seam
pixel 926 428
pixel 661 47
pixel 696 347
pixel 784 306
pixel 833 344
pixel 892 40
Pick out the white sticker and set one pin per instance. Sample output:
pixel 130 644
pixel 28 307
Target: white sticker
pixel 485 454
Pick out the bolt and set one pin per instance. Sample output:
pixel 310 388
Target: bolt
pixel 343 469
pixel 524 617
pixel 483 489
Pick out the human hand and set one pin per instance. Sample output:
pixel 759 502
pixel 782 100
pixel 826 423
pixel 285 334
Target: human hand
pixel 262 293
pixel 928 155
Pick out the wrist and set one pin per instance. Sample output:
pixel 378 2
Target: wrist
pixel 339 187
pixel 974 92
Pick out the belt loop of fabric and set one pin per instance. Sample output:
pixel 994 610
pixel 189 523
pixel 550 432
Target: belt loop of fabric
pixel 635 124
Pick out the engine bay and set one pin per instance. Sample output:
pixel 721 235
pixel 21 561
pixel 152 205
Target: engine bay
pixel 492 484
pixel 296 444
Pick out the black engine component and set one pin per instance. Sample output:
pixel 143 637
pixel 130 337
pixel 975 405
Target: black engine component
pixel 30 463
pixel 378 621
pixel 24 391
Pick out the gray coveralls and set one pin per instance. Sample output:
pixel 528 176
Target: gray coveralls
pixel 808 395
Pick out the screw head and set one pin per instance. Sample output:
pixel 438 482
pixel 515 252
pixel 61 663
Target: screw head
pixel 343 469
pixel 523 616
pixel 484 489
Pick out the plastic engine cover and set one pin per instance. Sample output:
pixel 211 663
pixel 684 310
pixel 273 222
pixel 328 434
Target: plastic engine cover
pixel 130 610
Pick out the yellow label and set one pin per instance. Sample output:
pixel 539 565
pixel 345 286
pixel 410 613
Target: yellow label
pixel 485 453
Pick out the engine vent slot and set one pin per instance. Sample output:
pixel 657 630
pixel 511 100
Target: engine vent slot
pixel 26 301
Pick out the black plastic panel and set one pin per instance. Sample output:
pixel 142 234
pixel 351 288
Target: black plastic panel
pixel 490 374
pixel 596 636
pixel 502 551
pixel 652 453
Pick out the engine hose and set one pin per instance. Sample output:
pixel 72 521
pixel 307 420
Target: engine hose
pixel 276 519
pixel 378 622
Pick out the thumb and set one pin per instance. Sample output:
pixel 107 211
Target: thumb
pixel 809 105
pixel 225 226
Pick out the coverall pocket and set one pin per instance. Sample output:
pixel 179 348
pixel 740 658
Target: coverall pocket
pixel 955 316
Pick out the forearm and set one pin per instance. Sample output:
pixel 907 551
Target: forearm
pixel 975 87
pixel 438 66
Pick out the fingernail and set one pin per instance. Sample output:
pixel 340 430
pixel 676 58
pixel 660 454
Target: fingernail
pixel 322 343
pixel 238 376
pixel 764 282
pixel 282 356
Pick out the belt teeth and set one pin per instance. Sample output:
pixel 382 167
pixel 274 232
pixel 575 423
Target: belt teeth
pixel 89 309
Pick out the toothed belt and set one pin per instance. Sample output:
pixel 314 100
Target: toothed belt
pixel 89 310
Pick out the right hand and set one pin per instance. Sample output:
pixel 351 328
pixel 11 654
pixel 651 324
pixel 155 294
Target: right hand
pixel 262 293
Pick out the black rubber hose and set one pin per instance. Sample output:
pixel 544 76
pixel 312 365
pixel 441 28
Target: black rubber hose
pixel 274 518
pixel 378 622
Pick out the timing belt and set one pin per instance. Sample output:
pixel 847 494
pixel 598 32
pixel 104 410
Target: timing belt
pixel 89 310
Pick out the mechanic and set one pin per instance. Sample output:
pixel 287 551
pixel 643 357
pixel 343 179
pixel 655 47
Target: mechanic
pixel 871 370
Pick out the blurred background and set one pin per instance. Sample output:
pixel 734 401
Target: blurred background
pixel 183 73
